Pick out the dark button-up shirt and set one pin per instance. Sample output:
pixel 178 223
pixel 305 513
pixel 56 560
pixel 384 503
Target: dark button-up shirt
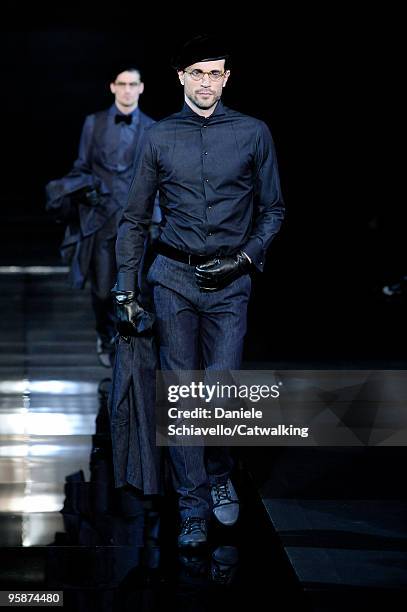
pixel 219 189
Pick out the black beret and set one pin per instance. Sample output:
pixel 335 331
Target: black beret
pixel 201 48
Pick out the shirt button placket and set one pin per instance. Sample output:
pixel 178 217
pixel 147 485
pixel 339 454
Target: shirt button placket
pixel 204 157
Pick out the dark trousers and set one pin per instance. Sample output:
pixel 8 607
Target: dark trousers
pixel 102 276
pixel 197 330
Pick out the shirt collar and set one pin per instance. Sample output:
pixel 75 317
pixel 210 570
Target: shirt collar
pixel 188 112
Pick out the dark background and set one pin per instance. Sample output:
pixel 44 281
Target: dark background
pixel 321 81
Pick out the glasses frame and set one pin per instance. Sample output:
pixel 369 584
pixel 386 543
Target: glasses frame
pixel 204 72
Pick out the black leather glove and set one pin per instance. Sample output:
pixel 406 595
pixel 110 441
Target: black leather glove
pixel 221 271
pixel 132 318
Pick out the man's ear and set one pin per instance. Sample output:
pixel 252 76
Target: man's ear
pixel 181 76
pixel 227 75
pixel 112 88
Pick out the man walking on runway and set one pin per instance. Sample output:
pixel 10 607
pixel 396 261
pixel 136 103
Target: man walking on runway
pixel 98 186
pixel 220 198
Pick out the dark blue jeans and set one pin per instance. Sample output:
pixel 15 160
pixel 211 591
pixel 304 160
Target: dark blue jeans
pixel 197 331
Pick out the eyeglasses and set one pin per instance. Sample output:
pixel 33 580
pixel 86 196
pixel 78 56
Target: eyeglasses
pixel 121 84
pixel 198 75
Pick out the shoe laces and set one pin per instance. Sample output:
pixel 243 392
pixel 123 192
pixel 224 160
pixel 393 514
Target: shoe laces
pixel 193 524
pixel 222 493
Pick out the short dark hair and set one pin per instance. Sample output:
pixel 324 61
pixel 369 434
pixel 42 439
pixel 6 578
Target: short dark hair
pixel 118 69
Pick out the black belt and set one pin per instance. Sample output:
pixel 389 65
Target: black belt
pixel 188 258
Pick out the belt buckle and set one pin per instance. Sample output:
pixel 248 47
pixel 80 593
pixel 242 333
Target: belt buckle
pixel 189 259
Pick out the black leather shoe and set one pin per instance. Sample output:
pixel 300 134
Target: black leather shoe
pixel 225 503
pixel 193 532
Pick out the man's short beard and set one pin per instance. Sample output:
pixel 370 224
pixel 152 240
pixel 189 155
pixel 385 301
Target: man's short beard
pixel 202 105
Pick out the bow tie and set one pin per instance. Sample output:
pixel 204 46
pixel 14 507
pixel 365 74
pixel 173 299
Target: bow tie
pixel 123 119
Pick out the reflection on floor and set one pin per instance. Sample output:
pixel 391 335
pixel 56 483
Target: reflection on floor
pixel 328 534
pixel 341 516
pixel 63 526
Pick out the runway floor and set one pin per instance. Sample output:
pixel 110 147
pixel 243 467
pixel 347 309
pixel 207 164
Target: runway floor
pixel 321 529
pixel 62 524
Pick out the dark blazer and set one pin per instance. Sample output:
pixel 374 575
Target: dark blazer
pixel 93 170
